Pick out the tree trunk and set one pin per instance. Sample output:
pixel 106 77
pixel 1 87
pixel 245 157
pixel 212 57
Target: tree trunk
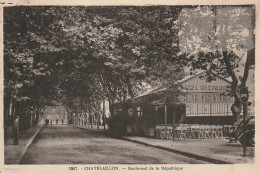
pixel 92 121
pixel 125 114
pixel 23 113
pixel 37 117
pixel 173 122
pixel 27 116
pixel 19 113
pixel 133 105
pixel 237 106
pixel 98 120
pixel 111 108
pixel 104 115
pixel 235 89
pixel 13 112
pixel 32 119
pixel 236 110
pixel 7 110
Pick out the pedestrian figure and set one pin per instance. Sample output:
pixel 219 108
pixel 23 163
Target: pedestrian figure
pixel 16 130
pixel 51 121
pixel 62 121
pixel 46 122
pixel 56 121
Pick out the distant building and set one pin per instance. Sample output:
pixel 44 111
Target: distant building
pixel 55 111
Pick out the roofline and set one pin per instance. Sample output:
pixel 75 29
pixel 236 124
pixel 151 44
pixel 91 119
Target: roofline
pixel 221 77
pixel 191 77
pixel 205 72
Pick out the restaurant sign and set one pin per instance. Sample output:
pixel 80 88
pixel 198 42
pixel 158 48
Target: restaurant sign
pixel 207 97
pixel 198 84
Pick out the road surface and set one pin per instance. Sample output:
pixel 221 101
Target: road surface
pixel 64 144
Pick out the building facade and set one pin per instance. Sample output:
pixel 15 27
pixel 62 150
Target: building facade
pixel 207 102
pixel 55 112
pixel 202 102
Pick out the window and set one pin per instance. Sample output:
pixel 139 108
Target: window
pixel 139 111
pixel 201 109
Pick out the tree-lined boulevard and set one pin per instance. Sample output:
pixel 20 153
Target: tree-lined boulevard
pixel 79 57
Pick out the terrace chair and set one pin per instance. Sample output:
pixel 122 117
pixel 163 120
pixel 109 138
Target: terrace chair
pixel 219 131
pixel 162 133
pixel 181 133
pixel 214 132
pixel 193 131
pixel 159 133
pixel 169 134
pixel 226 130
pixel 200 133
pixel 197 131
pixel 177 134
pixel 206 132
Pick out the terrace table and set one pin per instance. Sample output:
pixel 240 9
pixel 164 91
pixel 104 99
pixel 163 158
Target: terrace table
pixel 227 129
pixel 185 131
pixel 160 132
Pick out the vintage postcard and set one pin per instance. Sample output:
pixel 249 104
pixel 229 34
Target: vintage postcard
pixel 129 86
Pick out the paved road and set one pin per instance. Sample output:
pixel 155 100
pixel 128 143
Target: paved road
pixel 63 144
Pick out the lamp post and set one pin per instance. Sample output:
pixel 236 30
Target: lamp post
pixel 244 98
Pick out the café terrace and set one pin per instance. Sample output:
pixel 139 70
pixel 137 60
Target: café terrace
pixel 205 107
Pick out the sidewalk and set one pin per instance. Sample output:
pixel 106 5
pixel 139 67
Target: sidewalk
pixel 14 153
pixel 215 149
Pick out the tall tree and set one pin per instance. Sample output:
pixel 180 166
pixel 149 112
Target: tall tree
pixel 220 40
pixel 88 53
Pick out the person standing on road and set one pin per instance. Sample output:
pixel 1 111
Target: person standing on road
pixel 16 130
pixel 51 121
pixel 46 122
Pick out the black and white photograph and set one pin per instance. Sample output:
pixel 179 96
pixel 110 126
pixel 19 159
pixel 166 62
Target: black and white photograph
pixel 129 85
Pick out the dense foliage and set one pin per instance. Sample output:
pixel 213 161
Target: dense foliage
pixel 81 55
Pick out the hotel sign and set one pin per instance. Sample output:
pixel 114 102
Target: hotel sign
pixel 205 88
